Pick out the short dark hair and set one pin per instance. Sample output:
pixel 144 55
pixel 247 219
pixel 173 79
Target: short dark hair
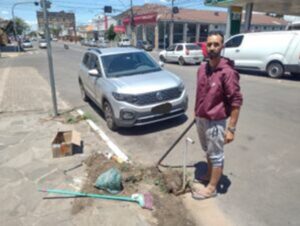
pixel 220 33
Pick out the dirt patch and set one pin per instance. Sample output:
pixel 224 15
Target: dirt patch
pixel 168 209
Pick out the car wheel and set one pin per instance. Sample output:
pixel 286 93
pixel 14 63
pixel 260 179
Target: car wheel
pixel 162 58
pixel 275 69
pixel 181 61
pixel 109 116
pixel 82 92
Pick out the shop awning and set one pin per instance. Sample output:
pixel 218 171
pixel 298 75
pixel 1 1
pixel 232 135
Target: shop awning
pixel 141 19
pixel 119 29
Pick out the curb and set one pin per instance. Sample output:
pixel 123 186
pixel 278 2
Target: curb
pixel 113 147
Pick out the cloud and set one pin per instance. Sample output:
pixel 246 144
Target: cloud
pixel 4 12
pixel 32 24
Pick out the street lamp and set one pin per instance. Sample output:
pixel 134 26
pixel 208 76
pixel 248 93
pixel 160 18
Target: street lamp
pixel 14 19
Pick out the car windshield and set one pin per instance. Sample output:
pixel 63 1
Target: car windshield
pixel 125 40
pixel 127 64
pixel 42 40
pixel 192 47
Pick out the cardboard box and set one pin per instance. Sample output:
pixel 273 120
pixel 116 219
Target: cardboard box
pixel 66 143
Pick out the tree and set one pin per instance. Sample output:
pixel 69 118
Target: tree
pixel 21 26
pixel 55 31
pixel 32 34
pixel 110 34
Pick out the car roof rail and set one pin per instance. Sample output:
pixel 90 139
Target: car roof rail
pixel 95 49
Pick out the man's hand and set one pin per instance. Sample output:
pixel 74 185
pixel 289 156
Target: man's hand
pixel 229 137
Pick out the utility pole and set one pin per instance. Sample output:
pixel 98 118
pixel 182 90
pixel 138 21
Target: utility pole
pixel 132 31
pixel 15 27
pixel 172 12
pixel 171 27
pixel 14 19
pixel 164 34
pixel 46 4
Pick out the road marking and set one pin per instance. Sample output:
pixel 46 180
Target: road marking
pixel 116 150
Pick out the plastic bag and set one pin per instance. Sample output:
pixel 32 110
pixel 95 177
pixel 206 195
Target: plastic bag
pixel 110 181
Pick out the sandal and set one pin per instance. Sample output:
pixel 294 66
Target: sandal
pixel 198 196
pixel 201 180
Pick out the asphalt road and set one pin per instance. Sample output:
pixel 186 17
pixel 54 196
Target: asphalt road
pixel 261 179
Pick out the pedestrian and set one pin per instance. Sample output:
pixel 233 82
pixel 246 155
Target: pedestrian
pixel 218 97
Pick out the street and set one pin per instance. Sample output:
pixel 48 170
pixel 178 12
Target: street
pixel 261 175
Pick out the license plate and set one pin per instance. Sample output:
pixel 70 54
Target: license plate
pixel 162 109
pixel 196 58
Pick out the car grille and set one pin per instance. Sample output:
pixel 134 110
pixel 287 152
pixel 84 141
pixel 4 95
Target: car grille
pixel 158 96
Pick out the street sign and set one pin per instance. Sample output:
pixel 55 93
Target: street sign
pixel 107 9
pixel 214 2
pixel 175 9
pixel 235 19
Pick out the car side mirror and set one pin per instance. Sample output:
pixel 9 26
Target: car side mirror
pixel 161 64
pixel 94 72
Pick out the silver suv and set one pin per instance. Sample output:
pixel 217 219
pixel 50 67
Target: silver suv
pixel 130 87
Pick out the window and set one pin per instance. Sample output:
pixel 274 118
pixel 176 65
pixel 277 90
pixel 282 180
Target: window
pixel 179 48
pixel 126 64
pixel 171 48
pixel 86 59
pixel 234 42
pixel 192 47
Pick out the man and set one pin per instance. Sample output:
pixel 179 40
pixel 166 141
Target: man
pixel 217 98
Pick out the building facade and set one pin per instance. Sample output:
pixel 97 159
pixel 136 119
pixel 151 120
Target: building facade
pixel 63 22
pixel 154 23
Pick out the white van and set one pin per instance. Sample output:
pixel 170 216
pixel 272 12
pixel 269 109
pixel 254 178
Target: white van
pixel 274 52
pixel 293 26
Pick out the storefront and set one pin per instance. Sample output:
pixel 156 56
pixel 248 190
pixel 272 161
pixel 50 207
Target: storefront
pixel 153 23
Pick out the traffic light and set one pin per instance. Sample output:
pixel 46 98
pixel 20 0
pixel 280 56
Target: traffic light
pixel 107 9
pixel 175 9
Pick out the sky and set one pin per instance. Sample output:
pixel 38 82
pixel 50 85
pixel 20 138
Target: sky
pixel 85 10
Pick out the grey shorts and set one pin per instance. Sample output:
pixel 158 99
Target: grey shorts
pixel 211 136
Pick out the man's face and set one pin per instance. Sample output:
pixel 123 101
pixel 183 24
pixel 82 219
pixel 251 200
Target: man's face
pixel 214 46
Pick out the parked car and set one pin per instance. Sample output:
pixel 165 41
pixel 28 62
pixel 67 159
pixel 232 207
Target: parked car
pixel 27 44
pixel 273 52
pixel 42 43
pixel 183 53
pixel 125 42
pixel 102 43
pixel 202 45
pixel 130 87
pixel 140 44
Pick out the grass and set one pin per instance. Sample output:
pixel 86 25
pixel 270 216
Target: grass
pixel 71 119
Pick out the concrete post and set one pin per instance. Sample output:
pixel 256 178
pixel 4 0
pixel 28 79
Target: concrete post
pixel 50 61
pixel 171 33
pixel 248 16
pixel 144 32
pixel 156 38
pixel 228 24
pixel 185 30
pixel 197 32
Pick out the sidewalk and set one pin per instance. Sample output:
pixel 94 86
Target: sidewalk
pixel 26 163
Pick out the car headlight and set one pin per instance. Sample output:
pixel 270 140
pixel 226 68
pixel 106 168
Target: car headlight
pixel 181 87
pixel 125 97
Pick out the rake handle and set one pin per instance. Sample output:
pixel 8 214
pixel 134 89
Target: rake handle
pixel 90 195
